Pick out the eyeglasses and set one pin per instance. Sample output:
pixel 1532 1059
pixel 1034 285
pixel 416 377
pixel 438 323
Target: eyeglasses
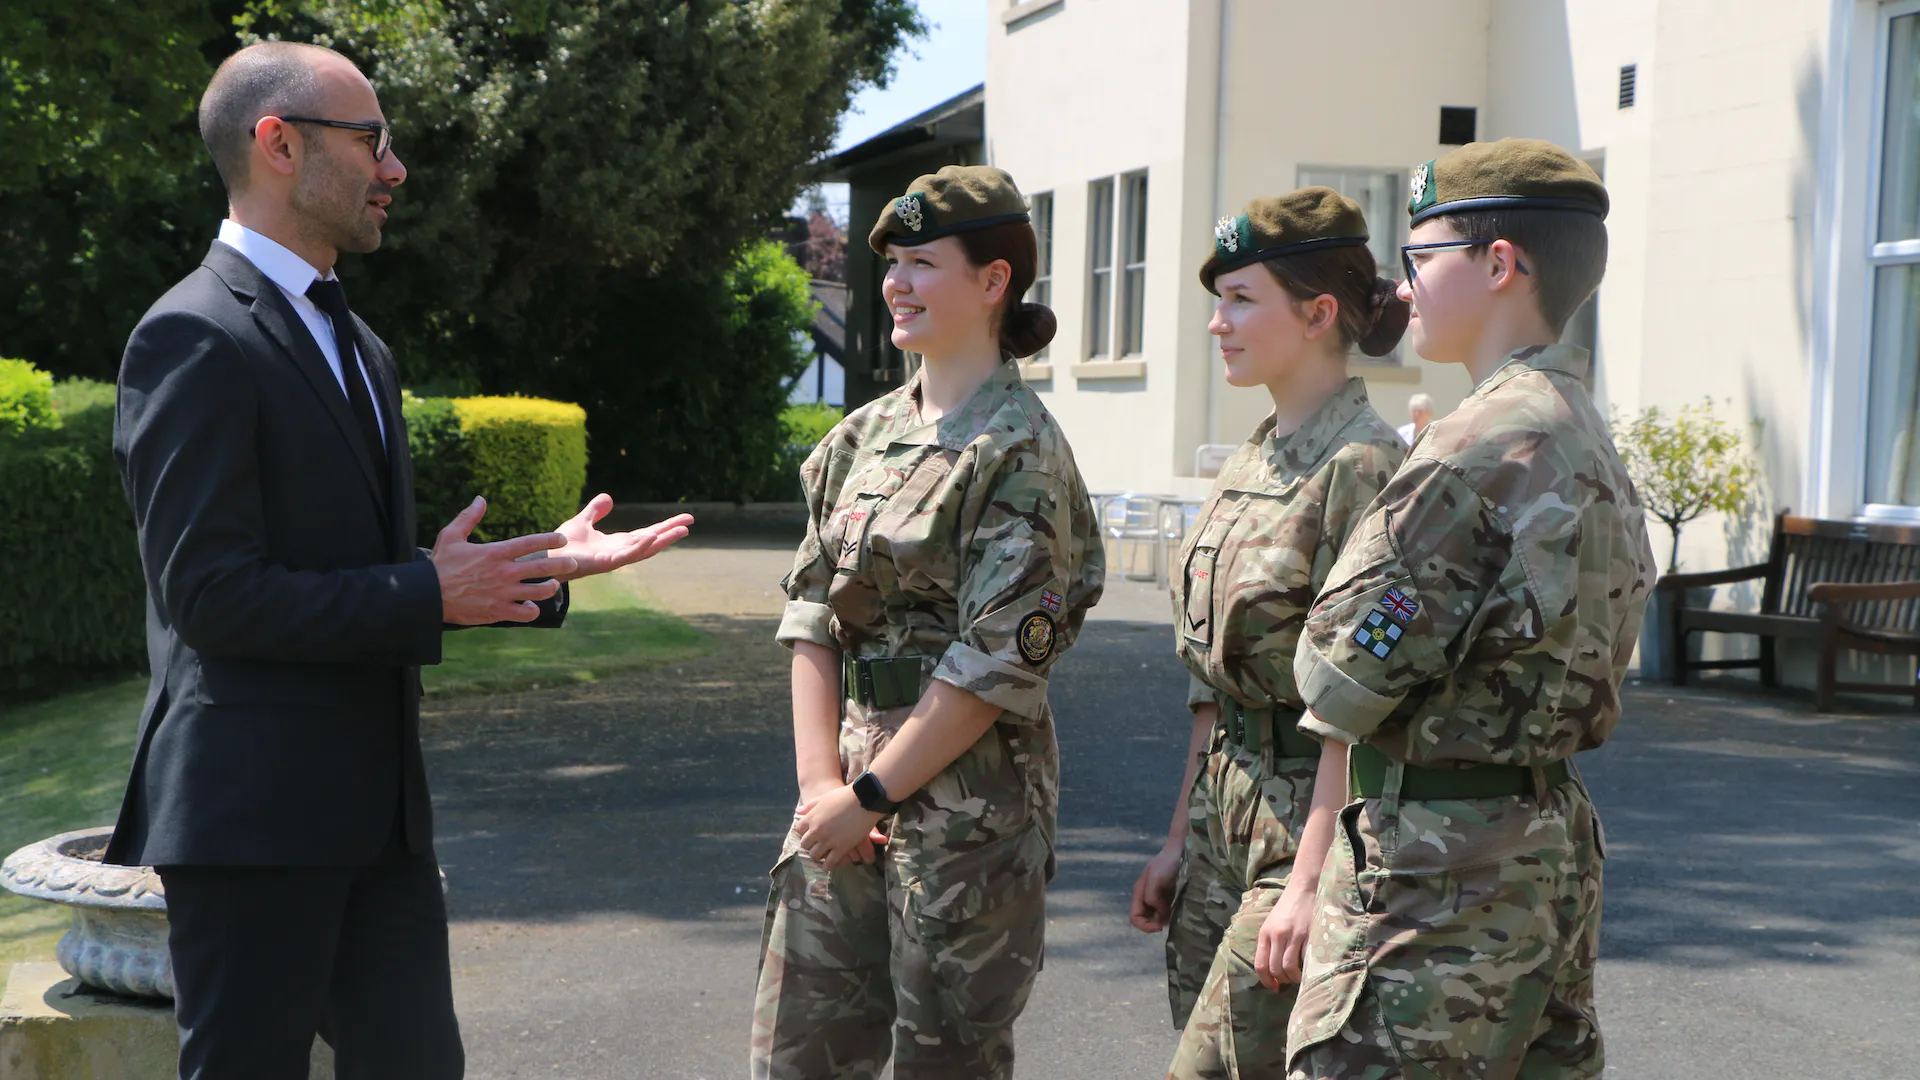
pixel 382 134
pixel 1407 250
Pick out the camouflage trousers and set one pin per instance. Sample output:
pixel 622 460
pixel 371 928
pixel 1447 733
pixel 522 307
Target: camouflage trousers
pixel 1456 940
pixel 925 957
pixel 1244 818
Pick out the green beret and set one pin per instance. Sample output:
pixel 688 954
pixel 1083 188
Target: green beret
pixel 1303 220
pixel 1512 174
pixel 955 199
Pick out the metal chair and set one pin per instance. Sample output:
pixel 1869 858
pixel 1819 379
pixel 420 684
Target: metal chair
pixel 1131 517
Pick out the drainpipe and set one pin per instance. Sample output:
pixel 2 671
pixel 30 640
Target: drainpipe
pixel 1219 191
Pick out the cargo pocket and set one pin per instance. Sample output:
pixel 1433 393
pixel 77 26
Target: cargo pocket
pixel 975 928
pixel 1337 948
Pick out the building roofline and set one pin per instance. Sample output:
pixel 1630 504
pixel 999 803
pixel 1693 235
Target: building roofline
pixel 959 119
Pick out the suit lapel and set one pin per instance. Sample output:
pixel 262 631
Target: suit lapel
pixel 399 455
pixel 277 319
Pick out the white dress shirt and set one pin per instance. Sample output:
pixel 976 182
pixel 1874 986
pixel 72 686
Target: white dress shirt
pixel 1406 433
pixel 294 275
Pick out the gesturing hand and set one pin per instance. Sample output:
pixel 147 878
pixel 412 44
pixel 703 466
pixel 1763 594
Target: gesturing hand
pixel 488 583
pixel 595 552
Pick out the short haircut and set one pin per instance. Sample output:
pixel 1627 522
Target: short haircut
pixel 269 79
pixel 1418 402
pixel 1565 252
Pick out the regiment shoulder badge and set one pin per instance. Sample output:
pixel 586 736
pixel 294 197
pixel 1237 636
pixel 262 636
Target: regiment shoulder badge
pixel 1400 604
pixel 911 216
pixel 1036 637
pixel 1378 634
pixel 1051 600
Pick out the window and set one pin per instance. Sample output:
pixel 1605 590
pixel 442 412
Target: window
pixel 1100 259
pixel 1133 256
pixel 1629 82
pixel 1893 375
pixel 1040 209
pixel 1458 124
pixel 1382 195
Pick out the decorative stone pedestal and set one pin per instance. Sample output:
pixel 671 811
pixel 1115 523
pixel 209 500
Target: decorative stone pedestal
pixel 53 1028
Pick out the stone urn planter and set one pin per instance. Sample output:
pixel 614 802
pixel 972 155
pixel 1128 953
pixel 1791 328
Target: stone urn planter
pixel 118 941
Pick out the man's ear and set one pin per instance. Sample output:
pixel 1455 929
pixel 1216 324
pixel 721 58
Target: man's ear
pixel 278 144
pixel 1506 265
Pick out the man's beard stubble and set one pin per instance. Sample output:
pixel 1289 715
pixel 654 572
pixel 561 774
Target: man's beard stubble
pixel 331 205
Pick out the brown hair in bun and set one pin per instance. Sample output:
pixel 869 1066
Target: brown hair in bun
pixel 1372 315
pixel 1024 328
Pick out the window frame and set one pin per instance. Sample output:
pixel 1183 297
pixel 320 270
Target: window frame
pixel 1129 333
pixel 1040 209
pixel 1100 267
pixel 1879 254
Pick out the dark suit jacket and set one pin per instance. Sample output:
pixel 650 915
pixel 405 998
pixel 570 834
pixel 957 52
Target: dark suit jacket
pixel 288 610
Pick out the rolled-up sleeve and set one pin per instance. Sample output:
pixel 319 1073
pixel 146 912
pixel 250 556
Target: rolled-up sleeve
pixel 1014 595
pixel 807 616
pixel 1401 601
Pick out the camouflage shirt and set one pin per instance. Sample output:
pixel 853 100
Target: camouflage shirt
pixel 1260 550
pixel 1485 609
pixel 969 541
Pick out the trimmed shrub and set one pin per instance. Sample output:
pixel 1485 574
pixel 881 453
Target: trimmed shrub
pixel 73 395
pixel 528 456
pixel 80 612
pixel 26 397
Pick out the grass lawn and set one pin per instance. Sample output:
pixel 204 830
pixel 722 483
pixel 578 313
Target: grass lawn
pixel 64 761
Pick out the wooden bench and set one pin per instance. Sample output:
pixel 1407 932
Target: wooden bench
pixel 1842 584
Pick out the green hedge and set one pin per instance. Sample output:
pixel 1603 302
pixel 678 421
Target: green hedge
pixel 528 456
pixel 75 606
pixel 26 397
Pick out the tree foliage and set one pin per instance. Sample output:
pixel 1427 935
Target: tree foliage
pixel 1685 465
pixel 586 179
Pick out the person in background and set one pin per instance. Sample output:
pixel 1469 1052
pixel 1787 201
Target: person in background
pixel 1420 407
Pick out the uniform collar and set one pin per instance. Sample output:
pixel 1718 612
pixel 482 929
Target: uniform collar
pixel 1565 359
pixel 280 265
pixel 1303 451
pixel 959 428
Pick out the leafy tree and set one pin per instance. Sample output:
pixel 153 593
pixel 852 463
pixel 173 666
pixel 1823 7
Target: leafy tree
pixel 1686 464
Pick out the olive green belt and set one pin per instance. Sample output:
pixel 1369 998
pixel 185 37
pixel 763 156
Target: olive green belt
pixel 1368 768
pixel 884 682
pixel 1253 728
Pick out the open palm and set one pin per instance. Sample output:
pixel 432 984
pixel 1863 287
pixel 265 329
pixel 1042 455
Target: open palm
pixel 596 552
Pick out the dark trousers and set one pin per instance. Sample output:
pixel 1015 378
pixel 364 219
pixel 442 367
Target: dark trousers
pixel 265 958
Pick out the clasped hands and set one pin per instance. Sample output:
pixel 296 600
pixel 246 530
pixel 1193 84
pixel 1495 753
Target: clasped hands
pixel 505 580
pixel 835 830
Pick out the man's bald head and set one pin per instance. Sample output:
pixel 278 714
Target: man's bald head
pixel 273 78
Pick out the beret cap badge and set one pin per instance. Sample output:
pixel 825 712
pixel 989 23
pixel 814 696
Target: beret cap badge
pixel 1226 235
pixel 909 210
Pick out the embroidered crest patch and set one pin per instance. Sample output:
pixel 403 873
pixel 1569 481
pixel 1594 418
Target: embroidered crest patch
pixel 1051 600
pixel 909 209
pixel 1036 637
pixel 1378 634
pixel 1400 605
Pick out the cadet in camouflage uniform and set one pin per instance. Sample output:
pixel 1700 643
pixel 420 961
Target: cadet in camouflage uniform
pixel 962 552
pixel 1260 549
pixel 1470 640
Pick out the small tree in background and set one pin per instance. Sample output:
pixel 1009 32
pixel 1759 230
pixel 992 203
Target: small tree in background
pixel 1686 464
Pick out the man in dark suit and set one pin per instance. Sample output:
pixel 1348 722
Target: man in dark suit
pixel 278 783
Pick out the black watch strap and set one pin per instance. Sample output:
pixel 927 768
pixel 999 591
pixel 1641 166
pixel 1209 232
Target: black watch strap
pixel 873 797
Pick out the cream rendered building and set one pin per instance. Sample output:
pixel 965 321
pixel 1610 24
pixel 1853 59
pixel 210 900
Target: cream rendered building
pixel 1763 160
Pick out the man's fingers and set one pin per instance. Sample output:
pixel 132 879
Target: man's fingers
pixel 1289 967
pixel 521 613
pixel 464 522
pixel 542 569
pixel 534 591
pixel 527 545
pixel 596 508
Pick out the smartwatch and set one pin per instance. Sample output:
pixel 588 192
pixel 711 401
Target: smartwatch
pixel 873 797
